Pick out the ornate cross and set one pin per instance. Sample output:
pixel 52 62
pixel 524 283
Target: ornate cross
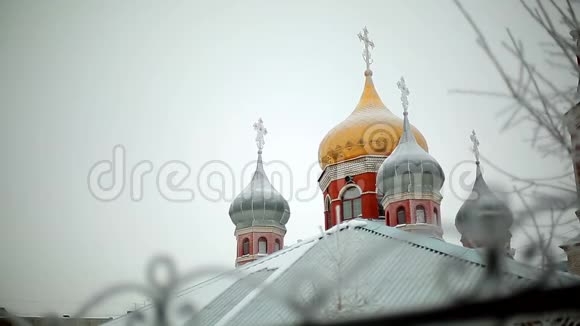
pixel 475 142
pixel 404 94
pixel 364 37
pixel 260 132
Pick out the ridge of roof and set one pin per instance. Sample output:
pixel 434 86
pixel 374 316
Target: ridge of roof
pixel 468 255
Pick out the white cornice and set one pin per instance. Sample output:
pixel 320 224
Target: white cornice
pixel 352 167
pixel 262 229
pixel 387 200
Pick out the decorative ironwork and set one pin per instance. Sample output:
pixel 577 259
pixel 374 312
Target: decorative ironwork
pixel 315 297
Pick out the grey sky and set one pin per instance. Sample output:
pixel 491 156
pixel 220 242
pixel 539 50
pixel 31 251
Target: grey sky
pixel 185 80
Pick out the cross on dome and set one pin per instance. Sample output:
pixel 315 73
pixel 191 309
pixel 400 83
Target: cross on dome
pixel 475 148
pixel 260 132
pixel 404 94
pixel 364 37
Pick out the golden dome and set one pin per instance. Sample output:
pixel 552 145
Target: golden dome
pixel 371 129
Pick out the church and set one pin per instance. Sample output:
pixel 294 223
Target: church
pixel 382 250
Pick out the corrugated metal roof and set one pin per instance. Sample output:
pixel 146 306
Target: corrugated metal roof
pixel 228 299
pixel 377 268
pixel 365 269
pixel 203 294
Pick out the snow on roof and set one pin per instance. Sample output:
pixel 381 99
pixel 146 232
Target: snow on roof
pixel 202 294
pixel 372 268
pixel 286 258
pixel 350 223
pixel 475 256
pixel 365 268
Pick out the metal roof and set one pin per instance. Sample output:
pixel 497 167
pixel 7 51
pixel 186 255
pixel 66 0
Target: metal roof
pixel 376 268
pixel 365 268
pixel 228 299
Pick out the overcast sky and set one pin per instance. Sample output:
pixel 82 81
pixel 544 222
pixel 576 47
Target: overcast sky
pixel 185 80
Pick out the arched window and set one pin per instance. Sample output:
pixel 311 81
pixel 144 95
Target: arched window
pixel 436 217
pixel 262 246
pixel 245 246
pixel 420 212
pixel 407 182
pixel 351 203
pixel 427 181
pixel 401 215
pixel 277 245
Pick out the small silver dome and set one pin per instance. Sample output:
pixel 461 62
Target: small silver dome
pixel 483 217
pixel 259 204
pixel 409 168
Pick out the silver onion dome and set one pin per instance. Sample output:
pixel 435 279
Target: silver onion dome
pixel 259 204
pixel 483 218
pixel 409 168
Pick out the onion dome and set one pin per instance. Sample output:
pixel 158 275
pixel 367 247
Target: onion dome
pixel 483 219
pixel 371 129
pixel 259 204
pixel 409 168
